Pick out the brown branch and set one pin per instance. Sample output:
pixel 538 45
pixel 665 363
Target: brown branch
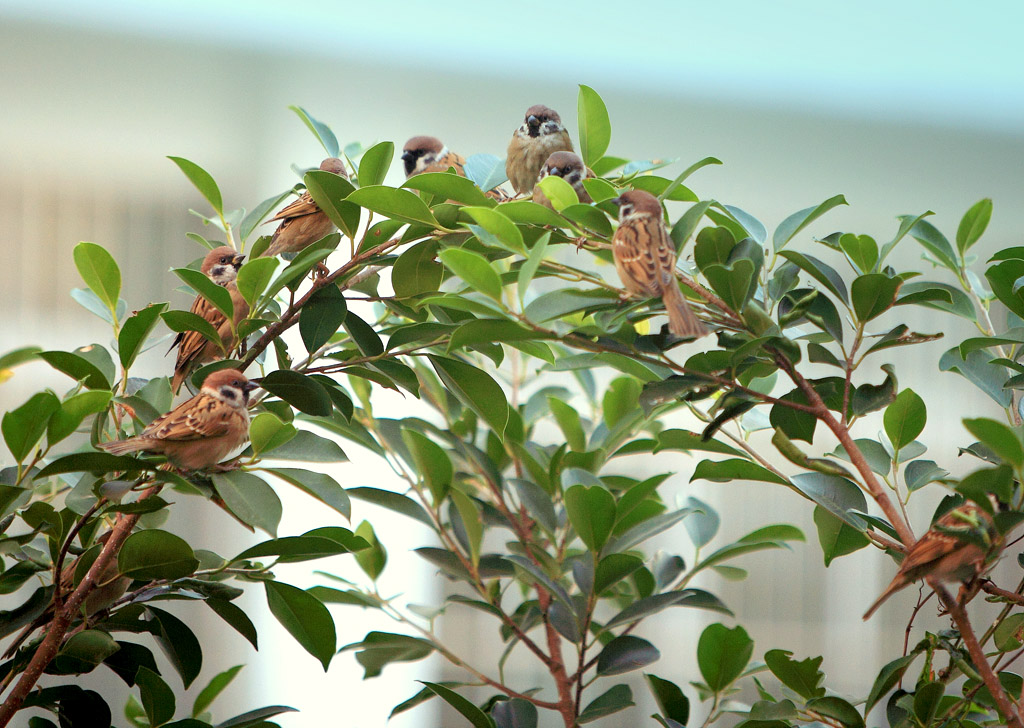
pixel 63 617
pixel 291 315
pixel 58 565
pixel 566 703
pixel 989 588
pixel 842 433
pixel 959 614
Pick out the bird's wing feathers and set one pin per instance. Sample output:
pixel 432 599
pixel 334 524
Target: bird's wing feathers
pixel 197 418
pixel 300 208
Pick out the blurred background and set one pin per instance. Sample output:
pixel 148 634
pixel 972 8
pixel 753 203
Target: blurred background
pixel 902 107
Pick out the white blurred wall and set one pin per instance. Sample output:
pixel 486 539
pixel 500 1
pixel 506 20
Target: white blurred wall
pixel 87 117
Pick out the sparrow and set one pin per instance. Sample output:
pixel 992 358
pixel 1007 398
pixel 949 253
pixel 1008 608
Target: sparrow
pixel 538 138
pixel 220 266
pixel 302 222
pixel 569 167
pixel 428 154
pixel 646 260
pixel 955 548
pixel 110 587
pixel 199 432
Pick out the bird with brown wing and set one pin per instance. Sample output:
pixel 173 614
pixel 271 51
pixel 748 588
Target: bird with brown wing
pixel 646 260
pixel 956 548
pixel 569 167
pixel 303 222
pixel 221 266
pixel 202 431
pixel 540 136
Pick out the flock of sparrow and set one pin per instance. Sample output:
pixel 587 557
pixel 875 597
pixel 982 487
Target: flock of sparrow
pixel 204 430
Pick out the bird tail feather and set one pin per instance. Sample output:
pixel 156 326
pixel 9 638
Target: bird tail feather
pixel 682 321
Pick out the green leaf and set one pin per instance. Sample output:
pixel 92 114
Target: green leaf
pixel 18 356
pixel 417 271
pixel 315 544
pixel 999 438
pixel 591 511
pixel 904 419
pixel 157 697
pixel 217 295
pixel 250 499
pixel 468 710
pixel 372 560
pixel 486 170
pixel 322 317
pixel 305 617
pixel 433 465
pixel 373 166
pixel 873 294
pixel 24 426
pixel 687 224
pixel 299 390
pixel 396 502
pixel 320 130
pixel 92 462
pixel 839 496
pixel 266 432
pixel 973 224
pixel 1009 633
pixel 723 471
pixel 835 707
pixel 803 677
pixel 862 251
pixel 558 192
pixel 256 718
pixel 308 447
pixel 611 701
pixel 214 688
pixel 722 654
pixel 613 568
pixel 382 648
pixel 837 538
pixel 78 367
pixel 556 304
pixel 671 701
pixel 397 204
pixel 667 192
pixel 504 231
pixel 155 554
pixel 330 192
pixel 319 485
pixel 100 272
pixel 187 321
pixel 825 274
pixel 83 651
pixel 474 388
pixel 568 421
pixel 178 642
pixel 72 411
pixel 796 222
pixel 887 677
pixel 236 619
pixel 254 277
pixel 595 127
pixel 472 522
pixel 978 368
pixel 449 186
pixel 252 220
pixel 704 523
pixel 474 269
pixel 935 243
pixel 202 181
pixel 514 713
pixel 134 332
pixel 626 653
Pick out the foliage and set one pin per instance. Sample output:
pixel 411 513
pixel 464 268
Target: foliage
pixel 537 386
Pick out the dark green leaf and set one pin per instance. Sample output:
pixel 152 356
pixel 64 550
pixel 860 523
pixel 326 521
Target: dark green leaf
pixel 250 499
pixel 308 447
pixel 155 554
pixel 319 485
pixel 973 224
pixel 873 294
pixel 469 711
pixel 417 271
pixel 256 718
pixel 796 222
pixel 803 677
pixel 157 696
pixel 330 192
pixel 935 243
pixel 236 618
pixel 670 699
pixel 825 274
pixel 301 391
pixel 998 438
pixel 904 419
pixel 77 367
pixel 473 269
pixel 626 653
pixel 92 462
pixel 723 471
pixel 188 321
pixel 217 295
pixel 135 331
pixel 611 701
pixel 591 511
pixel 254 277
pixel 393 502
pixel 515 712
pixel 887 677
pixel 24 426
pixel 305 618
pixel 474 388
pixel 837 538
pixel 178 642
pixel 838 709
pixel 322 317
pixel 72 411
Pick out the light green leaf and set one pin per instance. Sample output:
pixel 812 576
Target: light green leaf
pixel 100 272
pixel 202 181
pixel 595 127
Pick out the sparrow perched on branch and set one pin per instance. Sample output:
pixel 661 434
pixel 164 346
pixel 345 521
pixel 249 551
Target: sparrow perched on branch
pixel 646 260
pixel 955 548
pixel 201 431
pixel 110 587
pixel 220 266
pixel 428 154
pixel 302 222
pixel 541 135
pixel 569 167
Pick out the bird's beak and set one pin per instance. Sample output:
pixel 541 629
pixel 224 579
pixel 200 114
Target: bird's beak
pixel 532 120
pixel 237 261
pixel 406 156
pixel 249 386
pixel 617 201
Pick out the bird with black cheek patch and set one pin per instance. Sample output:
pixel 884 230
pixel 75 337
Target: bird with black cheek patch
pixel 956 548
pixel 303 222
pixel 569 167
pixel 540 136
pixel 428 154
pixel 646 260
pixel 220 266
pixel 202 431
